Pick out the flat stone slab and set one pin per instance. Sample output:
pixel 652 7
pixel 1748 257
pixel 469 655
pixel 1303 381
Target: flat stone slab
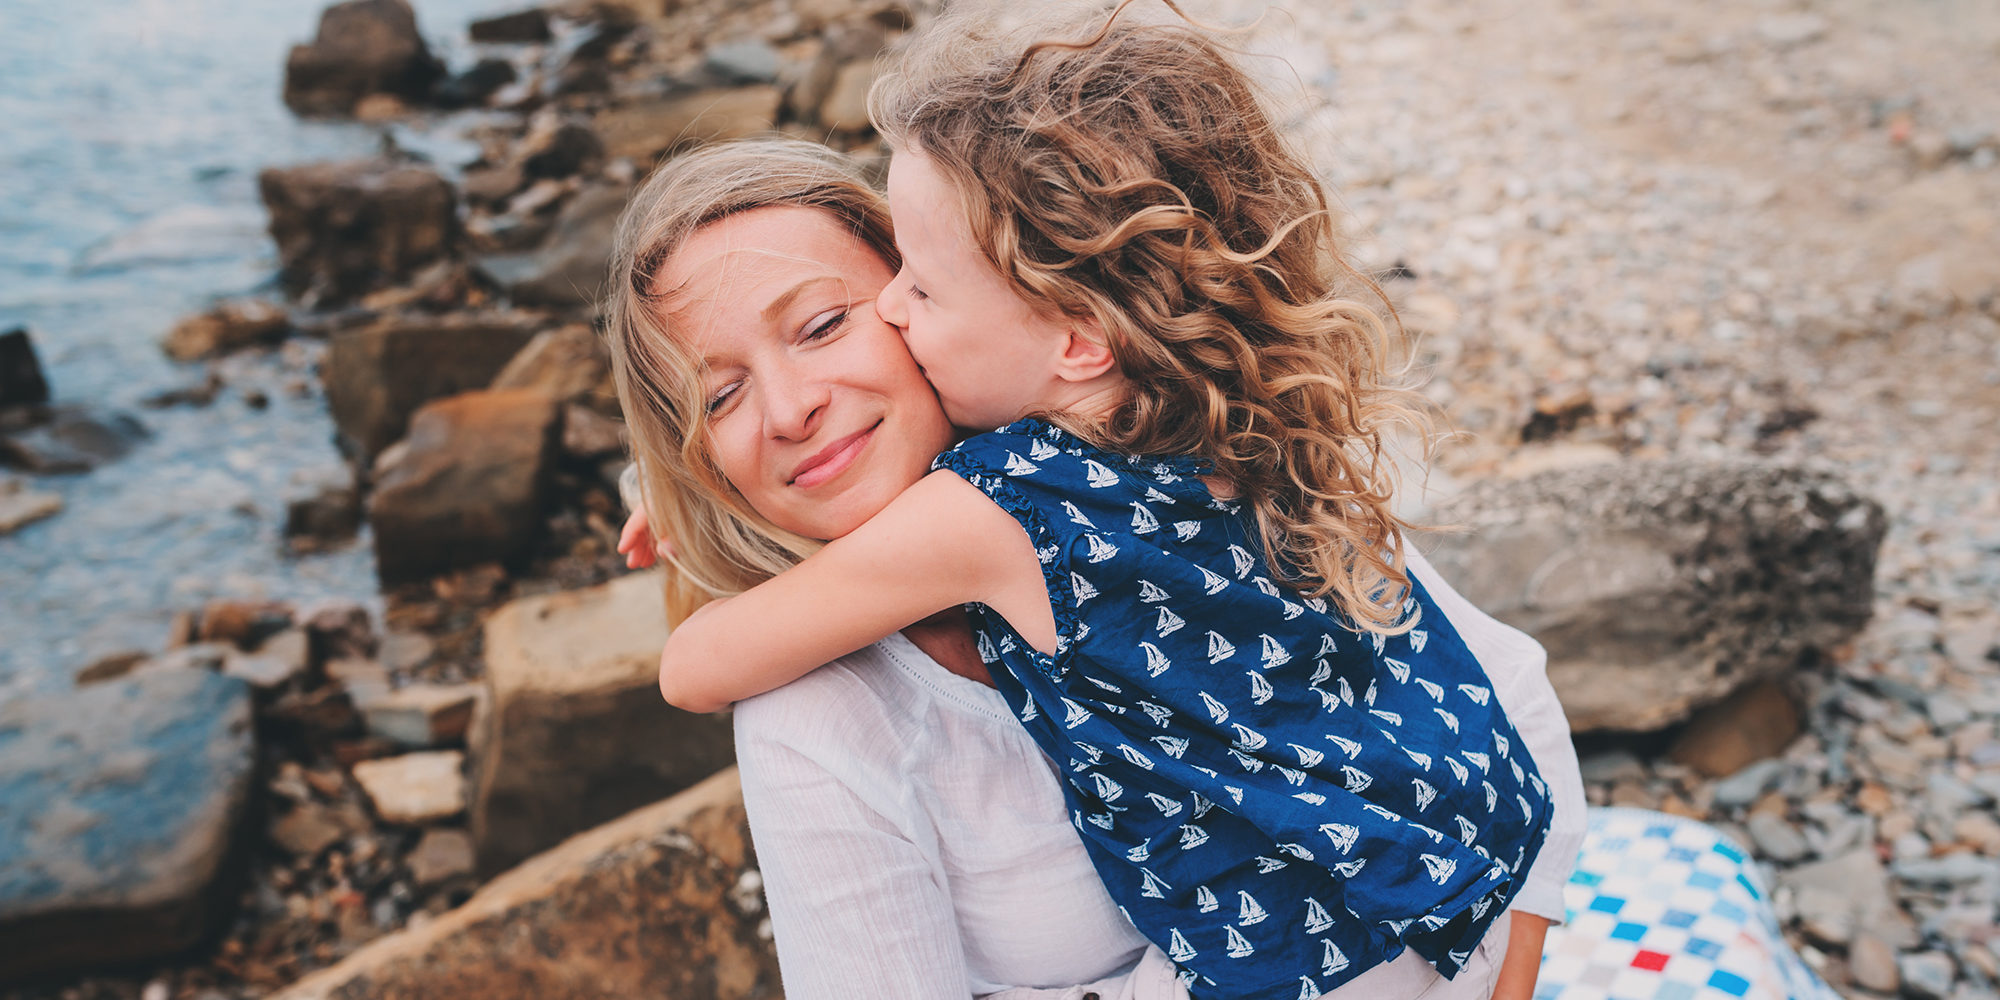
pixel 119 803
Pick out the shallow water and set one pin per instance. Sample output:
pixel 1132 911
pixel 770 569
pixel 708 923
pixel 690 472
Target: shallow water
pixel 134 130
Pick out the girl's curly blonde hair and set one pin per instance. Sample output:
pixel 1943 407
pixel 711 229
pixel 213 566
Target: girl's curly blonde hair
pixel 722 545
pixel 1135 178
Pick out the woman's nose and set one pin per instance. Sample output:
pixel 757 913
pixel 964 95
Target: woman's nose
pixel 793 402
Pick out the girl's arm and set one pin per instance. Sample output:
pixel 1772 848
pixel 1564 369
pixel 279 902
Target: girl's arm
pixel 941 543
pixel 1524 957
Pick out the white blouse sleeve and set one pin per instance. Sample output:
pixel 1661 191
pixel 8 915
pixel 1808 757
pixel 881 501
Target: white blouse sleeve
pixel 1518 667
pixel 856 905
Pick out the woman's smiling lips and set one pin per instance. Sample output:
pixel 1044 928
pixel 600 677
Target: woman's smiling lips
pixel 833 459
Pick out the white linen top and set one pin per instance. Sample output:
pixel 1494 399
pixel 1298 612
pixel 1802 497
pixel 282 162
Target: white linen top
pixel 914 842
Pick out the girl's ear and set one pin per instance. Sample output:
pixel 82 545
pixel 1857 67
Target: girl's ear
pixel 1086 354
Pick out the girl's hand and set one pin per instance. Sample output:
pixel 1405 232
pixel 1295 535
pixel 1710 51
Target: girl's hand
pixel 637 543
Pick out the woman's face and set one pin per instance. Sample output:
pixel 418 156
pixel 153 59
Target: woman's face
pixel 817 415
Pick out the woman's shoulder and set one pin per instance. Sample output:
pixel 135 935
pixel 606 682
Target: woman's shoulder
pixel 888 687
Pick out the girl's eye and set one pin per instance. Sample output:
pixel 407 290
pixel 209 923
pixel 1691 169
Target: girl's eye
pixel 825 325
pixel 918 293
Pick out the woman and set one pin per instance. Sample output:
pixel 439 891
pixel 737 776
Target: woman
pixel 913 841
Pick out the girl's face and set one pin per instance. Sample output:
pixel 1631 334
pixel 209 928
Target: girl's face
pixel 987 350
pixel 816 413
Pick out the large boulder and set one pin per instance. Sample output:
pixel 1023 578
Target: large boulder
pixel 1658 587
pixel 569 363
pixel 573 731
pixel 568 269
pixel 467 486
pixel 647 130
pixel 377 375
pixel 347 228
pixel 58 439
pixel 363 47
pixel 650 905
pixel 122 803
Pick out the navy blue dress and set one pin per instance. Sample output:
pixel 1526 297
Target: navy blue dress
pixel 1278 801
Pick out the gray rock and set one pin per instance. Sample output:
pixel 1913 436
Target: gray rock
pixel 1748 785
pixel 66 439
pixel 122 801
pixel 1610 766
pixel 345 229
pixel 363 47
pixel 21 507
pixel 378 375
pixel 747 60
pixel 21 378
pixel 1776 839
pixel 229 326
pixel 1658 587
pixel 1871 962
pixel 568 269
pixel 1950 870
pixel 1927 975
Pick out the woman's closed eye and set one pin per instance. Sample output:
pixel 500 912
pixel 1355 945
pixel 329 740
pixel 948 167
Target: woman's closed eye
pixel 722 395
pixel 824 325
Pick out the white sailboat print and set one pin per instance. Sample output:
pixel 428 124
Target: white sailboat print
pixel 1310 798
pixel 1458 770
pixel 1166 806
pixel 1245 562
pixel 1267 865
pixel 1450 720
pixel 1219 649
pixel 1386 716
pixel 1308 757
pixel 1160 714
pixel 1152 886
pixel 1425 793
pixel 1327 699
pixel 1168 622
pixel 1041 451
pixel 1150 592
pixel 1354 778
pixel 1097 475
pixel 1264 584
pixel 1435 690
pixel 1397 669
pixel 1108 791
pixel 1249 911
pixel 1139 854
pixel 1418 637
pixel 1293 610
pixel 1296 850
pixel 1216 710
pixel 1348 869
pixel 1186 530
pixel 1178 948
pixel 1479 760
pixel 1245 761
pixel 1074 715
pixel 1076 515
pixel 1317 604
pixel 1346 692
pixel 1318 921
pixel 1260 689
pixel 1192 836
pixel 1100 549
pixel 1422 760
pixel 1132 754
pixel 1247 738
pixel 1211 581
pixel 1466 831
pixel 1143 521
pixel 1492 795
pixel 1476 693
pixel 1173 745
pixel 1081 588
pixel 1274 652
pixel 1239 946
pixel 1201 805
pixel 1347 746
pixel 1294 778
pixel 1332 960
pixel 1204 899
pixel 1344 836
pixel 1018 466
pixel 1440 868
pixel 1308 990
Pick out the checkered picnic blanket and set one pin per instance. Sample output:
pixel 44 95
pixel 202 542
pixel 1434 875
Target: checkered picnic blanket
pixel 1665 908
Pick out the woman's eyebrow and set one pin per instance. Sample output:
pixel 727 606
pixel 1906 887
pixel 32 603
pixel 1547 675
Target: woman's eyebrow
pixel 790 295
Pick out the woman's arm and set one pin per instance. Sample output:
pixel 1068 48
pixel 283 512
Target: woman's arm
pixel 941 543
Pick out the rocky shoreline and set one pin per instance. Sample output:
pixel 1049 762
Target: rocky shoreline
pixel 1607 317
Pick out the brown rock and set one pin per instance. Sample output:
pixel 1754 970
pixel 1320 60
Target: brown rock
pixel 243 624
pixel 415 788
pixel 329 515
pixel 310 827
pixel 363 47
pixel 560 148
pixel 568 363
pixel 230 326
pixel 525 26
pixel 344 229
pixel 21 507
pixel 646 130
pixel 637 907
pixel 845 108
pixel 573 731
pixel 110 666
pixel 469 487
pixel 378 375
pixel 586 434
pixel 1756 722
pixel 441 856
pixel 21 378
pixel 339 629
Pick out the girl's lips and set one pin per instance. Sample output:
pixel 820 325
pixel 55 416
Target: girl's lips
pixel 832 460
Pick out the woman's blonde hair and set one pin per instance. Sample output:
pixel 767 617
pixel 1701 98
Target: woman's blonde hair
pixel 722 546
pixel 1134 178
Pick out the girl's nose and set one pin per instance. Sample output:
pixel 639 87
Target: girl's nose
pixel 891 303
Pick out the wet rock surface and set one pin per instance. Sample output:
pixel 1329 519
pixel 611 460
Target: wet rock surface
pixel 363 48
pixel 377 375
pixel 124 801
pixel 344 229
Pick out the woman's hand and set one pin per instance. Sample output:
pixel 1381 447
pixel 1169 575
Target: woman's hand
pixel 638 545
pixel 1524 957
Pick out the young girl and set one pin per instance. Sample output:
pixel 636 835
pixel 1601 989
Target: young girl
pixel 1284 761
